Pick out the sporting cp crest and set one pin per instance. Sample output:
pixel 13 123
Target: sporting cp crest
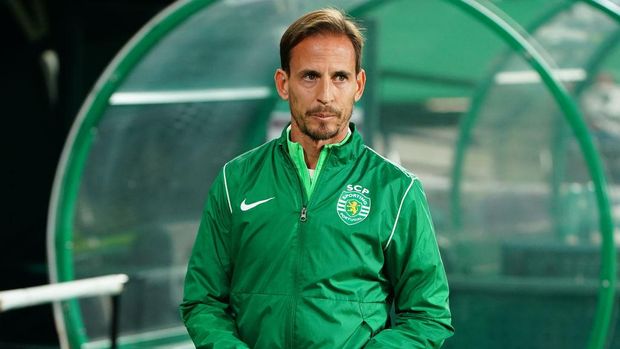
pixel 353 207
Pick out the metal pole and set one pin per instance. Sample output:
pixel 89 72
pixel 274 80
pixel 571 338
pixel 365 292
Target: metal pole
pixel 115 321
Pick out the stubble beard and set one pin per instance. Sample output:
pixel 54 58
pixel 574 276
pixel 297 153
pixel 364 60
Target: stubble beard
pixel 322 131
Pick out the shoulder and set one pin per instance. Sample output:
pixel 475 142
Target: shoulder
pixel 389 170
pixel 251 158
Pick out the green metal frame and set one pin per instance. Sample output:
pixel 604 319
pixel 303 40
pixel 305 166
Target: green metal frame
pixel 471 118
pixel 80 141
pixel 371 100
pixel 562 132
pixel 605 307
pixel 518 40
pixel 610 8
pixel 79 144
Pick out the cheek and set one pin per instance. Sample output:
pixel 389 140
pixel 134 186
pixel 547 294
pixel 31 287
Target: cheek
pixel 295 104
pixel 299 97
pixel 347 96
pixel 348 91
pixel 292 98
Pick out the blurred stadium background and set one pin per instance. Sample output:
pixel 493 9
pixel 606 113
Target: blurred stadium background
pixel 509 111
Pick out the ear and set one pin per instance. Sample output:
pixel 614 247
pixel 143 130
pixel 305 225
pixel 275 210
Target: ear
pixel 281 80
pixel 361 83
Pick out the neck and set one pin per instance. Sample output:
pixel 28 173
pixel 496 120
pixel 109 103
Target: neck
pixel 312 148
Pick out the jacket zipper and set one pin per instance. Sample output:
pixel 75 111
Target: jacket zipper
pixel 303 217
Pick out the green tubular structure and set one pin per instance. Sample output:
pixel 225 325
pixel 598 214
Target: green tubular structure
pixel 371 100
pixel 471 118
pixel 515 37
pixel 362 9
pixel 79 143
pixel 599 337
pixel 592 66
pixel 610 8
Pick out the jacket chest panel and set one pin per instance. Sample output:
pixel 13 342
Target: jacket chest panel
pixel 336 256
pixel 337 249
pixel 265 216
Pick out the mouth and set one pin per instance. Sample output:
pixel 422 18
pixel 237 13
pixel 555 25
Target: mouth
pixel 323 115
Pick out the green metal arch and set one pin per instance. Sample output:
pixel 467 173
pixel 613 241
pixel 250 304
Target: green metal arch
pixel 470 120
pixel 517 38
pixel 591 66
pixel 77 147
pixel 608 7
pixel 79 142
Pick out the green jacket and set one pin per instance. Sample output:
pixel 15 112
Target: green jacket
pixel 272 268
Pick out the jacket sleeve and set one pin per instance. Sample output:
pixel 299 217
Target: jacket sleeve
pixel 205 308
pixel 420 288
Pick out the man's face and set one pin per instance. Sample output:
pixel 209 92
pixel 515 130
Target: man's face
pixel 322 86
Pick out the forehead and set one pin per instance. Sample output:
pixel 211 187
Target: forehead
pixel 320 51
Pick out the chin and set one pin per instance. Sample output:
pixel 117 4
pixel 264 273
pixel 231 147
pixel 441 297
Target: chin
pixel 322 134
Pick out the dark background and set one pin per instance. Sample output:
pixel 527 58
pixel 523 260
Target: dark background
pixel 38 107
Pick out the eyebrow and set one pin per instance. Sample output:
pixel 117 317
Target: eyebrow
pixel 309 71
pixel 314 72
pixel 342 73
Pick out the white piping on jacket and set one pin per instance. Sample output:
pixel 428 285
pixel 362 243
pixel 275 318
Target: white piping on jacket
pixel 402 201
pixel 398 214
pixel 226 187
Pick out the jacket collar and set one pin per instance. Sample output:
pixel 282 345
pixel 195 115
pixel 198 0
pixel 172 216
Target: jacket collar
pixel 349 151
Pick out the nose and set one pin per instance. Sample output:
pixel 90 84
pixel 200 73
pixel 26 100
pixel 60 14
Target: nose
pixel 325 95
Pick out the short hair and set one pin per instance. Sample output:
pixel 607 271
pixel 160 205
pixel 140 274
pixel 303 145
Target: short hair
pixel 323 21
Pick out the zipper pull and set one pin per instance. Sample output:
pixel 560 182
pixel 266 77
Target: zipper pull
pixel 303 217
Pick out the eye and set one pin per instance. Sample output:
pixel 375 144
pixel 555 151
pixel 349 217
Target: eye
pixel 310 76
pixel 341 77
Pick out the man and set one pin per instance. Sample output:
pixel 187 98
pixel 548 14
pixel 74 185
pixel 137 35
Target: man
pixel 307 240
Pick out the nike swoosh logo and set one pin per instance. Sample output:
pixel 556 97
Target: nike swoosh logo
pixel 245 207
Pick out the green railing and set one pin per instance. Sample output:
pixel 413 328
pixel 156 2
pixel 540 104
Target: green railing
pixel 511 33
